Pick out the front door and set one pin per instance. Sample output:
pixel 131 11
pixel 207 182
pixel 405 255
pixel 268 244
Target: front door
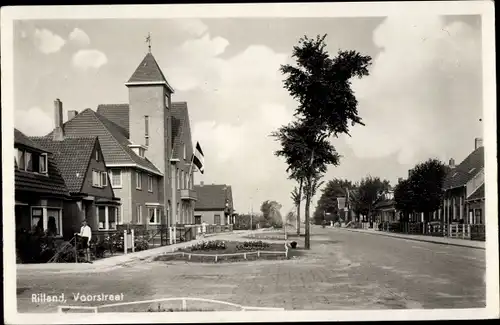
pixel 197 220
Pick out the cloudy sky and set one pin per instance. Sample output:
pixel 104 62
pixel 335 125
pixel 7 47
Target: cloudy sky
pixel 423 98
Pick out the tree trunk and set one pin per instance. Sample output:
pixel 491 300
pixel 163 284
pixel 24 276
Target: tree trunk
pixel 298 206
pixel 307 242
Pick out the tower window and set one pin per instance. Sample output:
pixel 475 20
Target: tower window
pixel 146 126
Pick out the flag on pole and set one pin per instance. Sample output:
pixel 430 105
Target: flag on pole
pixel 199 158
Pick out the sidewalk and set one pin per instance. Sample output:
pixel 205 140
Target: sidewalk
pixel 423 238
pixel 112 262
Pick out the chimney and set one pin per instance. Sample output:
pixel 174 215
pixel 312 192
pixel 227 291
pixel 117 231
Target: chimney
pixel 58 134
pixel 478 143
pixel 72 114
pixel 201 183
pixel 452 163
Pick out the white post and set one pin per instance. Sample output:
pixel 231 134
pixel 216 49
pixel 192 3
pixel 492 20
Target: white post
pixel 170 240
pixel 175 234
pixel 133 240
pixel 125 241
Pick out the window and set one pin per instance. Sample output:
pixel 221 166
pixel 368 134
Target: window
pixel 112 217
pixel 146 126
pixel 119 215
pixel 20 159
pixel 184 151
pixel 182 179
pixel 116 178
pixel 139 214
pixel 51 221
pixel 96 178
pixel 141 152
pixel 101 217
pixel 28 161
pixel 138 180
pixel 37 219
pixel 154 215
pixel 150 183
pixel 54 222
pixel 178 179
pixel 42 165
pixel 479 219
pixel 104 179
pixel 217 219
pixel 97 155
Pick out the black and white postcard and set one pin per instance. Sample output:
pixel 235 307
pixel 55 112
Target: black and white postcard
pixel 249 162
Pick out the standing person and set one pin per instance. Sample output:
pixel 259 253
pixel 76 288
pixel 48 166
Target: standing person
pixel 84 238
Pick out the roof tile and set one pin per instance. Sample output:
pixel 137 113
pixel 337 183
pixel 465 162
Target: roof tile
pixel 466 170
pixel 118 114
pixel 213 197
pixel 72 156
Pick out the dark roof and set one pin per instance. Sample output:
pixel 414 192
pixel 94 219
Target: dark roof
pixel 466 170
pixel 51 184
pixel 114 144
pixel 118 114
pixel 149 71
pixel 212 197
pixel 180 127
pixel 72 156
pixel 477 194
pixel 20 139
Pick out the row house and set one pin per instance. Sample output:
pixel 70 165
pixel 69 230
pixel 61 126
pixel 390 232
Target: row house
pixel 464 196
pixel 147 148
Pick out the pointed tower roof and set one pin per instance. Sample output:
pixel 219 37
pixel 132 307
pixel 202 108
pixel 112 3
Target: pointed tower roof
pixel 148 73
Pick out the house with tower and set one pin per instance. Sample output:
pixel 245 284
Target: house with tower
pixel 147 148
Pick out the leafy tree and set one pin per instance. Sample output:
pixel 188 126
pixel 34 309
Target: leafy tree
pixel 403 197
pixel 322 87
pixel 328 203
pixel 271 213
pixel 426 186
pixel 370 191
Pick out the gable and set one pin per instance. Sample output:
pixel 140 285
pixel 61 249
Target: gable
pixel 466 170
pixel 211 197
pixel 181 131
pixel 72 156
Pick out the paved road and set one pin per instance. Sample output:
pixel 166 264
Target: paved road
pixel 344 270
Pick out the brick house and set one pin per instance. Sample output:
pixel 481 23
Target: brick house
pixel 214 205
pixel 82 166
pixel 40 190
pixel 147 148
pixel 464 189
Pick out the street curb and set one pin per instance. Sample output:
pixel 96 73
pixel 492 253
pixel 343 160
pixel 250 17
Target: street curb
pixel 415 239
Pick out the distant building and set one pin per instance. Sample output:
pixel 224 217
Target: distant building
pixel 214 205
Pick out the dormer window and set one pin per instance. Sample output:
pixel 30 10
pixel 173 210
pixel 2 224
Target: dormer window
pixel 32 162
pixel 138 149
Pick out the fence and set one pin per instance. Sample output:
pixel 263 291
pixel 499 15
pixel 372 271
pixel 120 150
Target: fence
pixel 435 228
pixel 131 238
pixel 216 257
pixel 181 306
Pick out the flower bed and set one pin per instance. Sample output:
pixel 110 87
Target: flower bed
pixel 217 251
